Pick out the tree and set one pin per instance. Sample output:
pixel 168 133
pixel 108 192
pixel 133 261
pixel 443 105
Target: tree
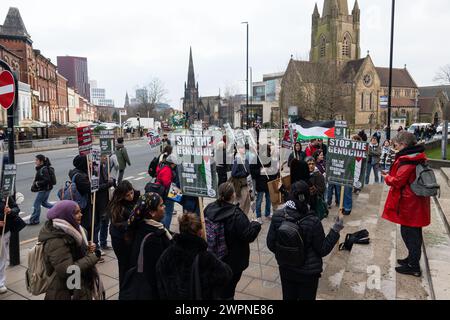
pixel 115 116
pixel 154 94
pixel 443 75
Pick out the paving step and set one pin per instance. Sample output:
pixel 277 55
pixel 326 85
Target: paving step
pixel 443 202
pixel 446 174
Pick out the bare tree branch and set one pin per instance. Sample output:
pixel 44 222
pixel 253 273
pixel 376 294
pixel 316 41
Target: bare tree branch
pixel 443 75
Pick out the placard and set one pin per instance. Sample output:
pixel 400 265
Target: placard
pixel 84 140
pixel 154 139
pixel 95 158
pixel 9 178
pixel 106 142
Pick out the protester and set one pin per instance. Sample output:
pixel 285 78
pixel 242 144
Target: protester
pixel 362 134
pixel 300 281
pixel 122 158
pixel 102 199
pixel 167 151
pixel 165 176
pixel 316 184
pixel 333 189
pixel 377 135
pixel 261 175
pixel 222 166
pixel 43 185
pixel 66 245
pixel 165 142
pixel 403 206
pixel 239 233
pixel 322 147
pixel 146 220
pixel 13 223
pixel 387 157
pixel 239 173
pixel 373 161
pixel 114 166
pixel 80 176
pixel 297 153
pixel 319 158
pixel 120 208
pixel 312 147
pixel 299 171
pixel 2 140
pixel 187 255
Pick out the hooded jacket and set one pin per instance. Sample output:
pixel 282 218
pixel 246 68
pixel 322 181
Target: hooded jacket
pixel 83 187
pixel 122 156
pixel 403 206
pixel 239 233
pixel 174 270
pixel 62 250
pixel 42 180
pixel 317 245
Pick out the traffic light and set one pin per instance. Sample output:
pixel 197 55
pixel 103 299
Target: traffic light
pixel 138 115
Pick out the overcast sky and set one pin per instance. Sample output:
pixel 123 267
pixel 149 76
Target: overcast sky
pixel 127 43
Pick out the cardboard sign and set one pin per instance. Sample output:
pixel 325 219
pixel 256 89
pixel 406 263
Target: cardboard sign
pixel 95 158
pixel 154 139
pixel 84 140
pixel 197 168
pixel 346 162
pixel 340 129
pixel 107 142
pixel 9 179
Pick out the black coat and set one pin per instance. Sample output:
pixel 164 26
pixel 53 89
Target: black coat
pixel 118 228
pixel 13 220
pixel 260 177
pixel 84 188
pixel 316 244
pixel 42 180
pixel 155 245
pixel 239 233
pixel 174 270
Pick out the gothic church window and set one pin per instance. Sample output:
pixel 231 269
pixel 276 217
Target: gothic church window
pixel 346 45
pixel 323 46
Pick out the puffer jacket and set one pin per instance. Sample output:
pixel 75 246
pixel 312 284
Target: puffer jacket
pixel 60 252
pixel 239 233
pixel 317 245
pixel 42 180
pixel 174 270
pixel 403 206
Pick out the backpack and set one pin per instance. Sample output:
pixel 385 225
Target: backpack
pixel 70 192
pixel 51 172
pixel 135 285
pixel 152 167
pixel 289 246
pixel 36 278
pixel 425 184
pixel 215 237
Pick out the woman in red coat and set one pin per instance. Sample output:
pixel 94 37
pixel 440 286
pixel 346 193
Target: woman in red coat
pixel 403 206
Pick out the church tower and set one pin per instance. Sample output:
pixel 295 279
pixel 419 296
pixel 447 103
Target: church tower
pixel 335 36
pixel 190 102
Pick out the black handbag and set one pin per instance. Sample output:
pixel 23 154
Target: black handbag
pixel 17 224
pixel 135 284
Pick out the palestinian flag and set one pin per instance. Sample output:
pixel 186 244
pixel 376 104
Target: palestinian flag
pixel 308 130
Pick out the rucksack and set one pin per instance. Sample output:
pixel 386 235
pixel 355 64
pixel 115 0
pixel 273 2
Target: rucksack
pixel 425 184
pixel 152 167
pixel 51 172
pixel 70 192
pixel 289 246
pixel 215 237
pixel 36 278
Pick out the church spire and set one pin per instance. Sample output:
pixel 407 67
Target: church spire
pixel 336 7
pixel 356 13
pixel 316 12
pixel 191 75
pixel 127 101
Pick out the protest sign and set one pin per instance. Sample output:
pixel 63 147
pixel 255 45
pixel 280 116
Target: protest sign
pixel 154 139
pixel 9 178
pixel 346 162
pixel 106 142
pixel 84 140
pixel 197 169
pixel 95 169
pixel 340 129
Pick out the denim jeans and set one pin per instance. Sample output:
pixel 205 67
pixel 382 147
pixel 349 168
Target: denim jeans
pixel 348 200
pixel 376 168
pixel 101 229
pixel 167 220
pixel 333 188
pixel 259 199
pixel 41 200
pixel 385 167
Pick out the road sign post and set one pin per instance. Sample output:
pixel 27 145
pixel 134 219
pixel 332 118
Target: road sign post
pixel 9 102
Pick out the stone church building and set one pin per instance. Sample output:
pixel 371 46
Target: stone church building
pixel 337 82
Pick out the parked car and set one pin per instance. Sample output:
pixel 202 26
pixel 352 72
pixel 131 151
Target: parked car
pixel 440 127
pixel 109 125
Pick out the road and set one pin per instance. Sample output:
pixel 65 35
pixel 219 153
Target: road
pixel 140 157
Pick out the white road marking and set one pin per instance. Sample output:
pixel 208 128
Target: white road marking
pixel 23 163
pixel 128 178
pixel 137 179
pixel 142 173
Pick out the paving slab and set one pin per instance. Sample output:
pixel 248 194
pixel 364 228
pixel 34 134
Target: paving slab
pixel 264 289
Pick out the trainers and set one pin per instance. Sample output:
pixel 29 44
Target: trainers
pixel 3 290
pixel 105 247
pixel 269 217
pixel 409 270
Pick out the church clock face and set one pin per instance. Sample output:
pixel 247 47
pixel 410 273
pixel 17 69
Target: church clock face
pixel 367 80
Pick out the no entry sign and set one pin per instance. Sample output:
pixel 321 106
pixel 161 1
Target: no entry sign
pixel 7 89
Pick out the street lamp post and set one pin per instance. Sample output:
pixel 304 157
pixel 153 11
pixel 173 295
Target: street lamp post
pixel 247 72
pixel 388 133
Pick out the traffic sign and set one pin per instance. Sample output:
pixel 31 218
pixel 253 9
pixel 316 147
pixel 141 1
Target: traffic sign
pixel 7 89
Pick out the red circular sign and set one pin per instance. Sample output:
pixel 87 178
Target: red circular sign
pixel 7 89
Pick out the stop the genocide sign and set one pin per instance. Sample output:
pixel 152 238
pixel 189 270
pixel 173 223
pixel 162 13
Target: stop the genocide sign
pixel 7 89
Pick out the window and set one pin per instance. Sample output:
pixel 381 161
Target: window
pixel 370 101
pixel 323 46
pixel 362 101
pixel 346 45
